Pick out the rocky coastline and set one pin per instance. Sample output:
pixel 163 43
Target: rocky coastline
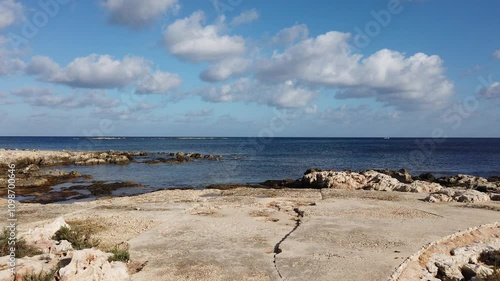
pixel 326 225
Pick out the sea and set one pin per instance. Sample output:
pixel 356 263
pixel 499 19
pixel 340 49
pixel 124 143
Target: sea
pixel 254 160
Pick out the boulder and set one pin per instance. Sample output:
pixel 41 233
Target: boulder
pixel 461 180
pixel 61 247
pixel 471 270
pixel 92 264
pixel 471 196
pixel 495 197
pixel 332 179
pixel 457 195
pixel 119 159
pixel 425 177
pixel 27 265
pixel 420 186
pixel 448 267
pixel 382 182
pixel 196 156
pixel 403 176
pixel 45 232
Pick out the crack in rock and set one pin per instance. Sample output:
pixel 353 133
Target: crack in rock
pixel 277 249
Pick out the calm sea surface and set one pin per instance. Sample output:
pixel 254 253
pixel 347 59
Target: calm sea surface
pixel 251 160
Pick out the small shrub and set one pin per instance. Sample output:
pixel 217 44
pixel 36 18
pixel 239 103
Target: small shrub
pixel 119 254
pixel 22 248
pixel 80 238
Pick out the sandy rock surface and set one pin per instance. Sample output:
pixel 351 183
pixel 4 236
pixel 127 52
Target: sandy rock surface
pixel 266 234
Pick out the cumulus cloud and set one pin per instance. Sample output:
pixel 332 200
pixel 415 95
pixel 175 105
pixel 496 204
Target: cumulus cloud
pixel 48 98
pixel 10 62
pixel 283 95
pixel 496 54
pixel 138 14
pixel 225 69
pixel 10 66
pixel 104 72
pixel 189 40
pixel 386 75
pixel 159 83
pixel 245 17
pixel 291 34
pixel 492 91
pixel 11 12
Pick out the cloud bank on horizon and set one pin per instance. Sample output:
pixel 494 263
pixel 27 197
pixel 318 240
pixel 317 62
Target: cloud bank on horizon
pixel 172 67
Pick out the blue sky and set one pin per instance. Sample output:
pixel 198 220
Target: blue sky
pixel 250 68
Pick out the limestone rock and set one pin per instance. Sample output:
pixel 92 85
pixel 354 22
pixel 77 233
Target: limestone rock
pixel 403 176
pixel 381 182
pixel 420 186
pixel 461 180
pixel 471 270
pixel 92 264
pixel 457 195
pixel 46 232
pixel 332 179
pixel 62 247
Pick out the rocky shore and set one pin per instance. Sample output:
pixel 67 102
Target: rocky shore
pixel 264 234
pixel 37 173
pixel 326 225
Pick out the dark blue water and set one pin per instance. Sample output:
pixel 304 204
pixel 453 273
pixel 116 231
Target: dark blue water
pixel 252 160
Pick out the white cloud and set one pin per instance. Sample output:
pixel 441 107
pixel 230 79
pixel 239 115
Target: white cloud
pixel 492 91
pixel 496 54
pixel 291 34
pixel 188 39
pixel 245 17
pixel 283 95
pixel 225 69
pixel 386 75
pixel 138 14
pixel 44 67
pixel 10 61
pixel 104 72
pixel 10 66
pixel 48 98
pixel 11 12
pixel 159 83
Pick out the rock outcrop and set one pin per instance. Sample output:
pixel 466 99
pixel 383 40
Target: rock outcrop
pixel 457 195
pixel 464 263
pixel 468 189
pixel 333 179
pixel 24 158
pixel 91 264
pixel 62 261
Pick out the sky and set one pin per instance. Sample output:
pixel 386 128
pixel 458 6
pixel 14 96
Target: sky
pixel 283 68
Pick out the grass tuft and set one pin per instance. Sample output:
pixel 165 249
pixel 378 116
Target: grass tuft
pixel 22 248
pixel 80 238
pixel 120 254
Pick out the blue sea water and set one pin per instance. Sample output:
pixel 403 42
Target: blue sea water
pixel 253 160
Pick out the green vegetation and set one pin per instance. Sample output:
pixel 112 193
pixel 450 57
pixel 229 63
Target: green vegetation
pixel 120 254
pixel 22 248
pixel 79 237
